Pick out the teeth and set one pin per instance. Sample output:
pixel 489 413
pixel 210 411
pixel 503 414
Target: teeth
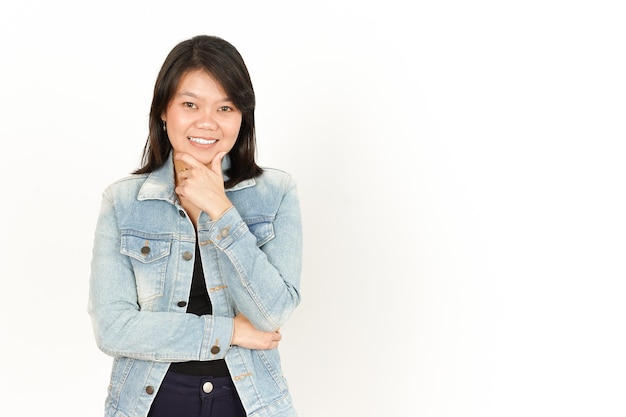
pixel 201 141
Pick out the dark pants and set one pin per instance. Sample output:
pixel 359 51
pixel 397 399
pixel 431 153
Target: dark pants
pixel 196 396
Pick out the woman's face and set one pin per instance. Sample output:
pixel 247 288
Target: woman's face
pixel 201 120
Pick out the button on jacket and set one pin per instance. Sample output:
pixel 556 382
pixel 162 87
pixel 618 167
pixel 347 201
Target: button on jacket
pixel 141 275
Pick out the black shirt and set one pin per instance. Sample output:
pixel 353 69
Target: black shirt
pixel 200 304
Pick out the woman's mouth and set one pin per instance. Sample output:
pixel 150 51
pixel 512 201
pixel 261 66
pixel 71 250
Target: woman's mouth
pixel 201 141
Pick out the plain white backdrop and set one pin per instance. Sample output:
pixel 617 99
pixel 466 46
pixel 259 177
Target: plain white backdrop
pixel 461 171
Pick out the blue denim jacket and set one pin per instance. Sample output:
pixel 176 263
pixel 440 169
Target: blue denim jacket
pixel 141 274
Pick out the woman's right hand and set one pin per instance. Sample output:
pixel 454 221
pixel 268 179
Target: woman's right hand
pixel 247 336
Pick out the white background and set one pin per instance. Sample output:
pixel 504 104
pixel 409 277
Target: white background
pixel 461 171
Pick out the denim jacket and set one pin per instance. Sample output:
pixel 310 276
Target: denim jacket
pixel 141 274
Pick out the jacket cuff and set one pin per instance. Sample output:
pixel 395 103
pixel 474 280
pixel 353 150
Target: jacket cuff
pixel 220 331
pixel 223 231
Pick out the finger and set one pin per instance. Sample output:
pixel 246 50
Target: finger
pixel 216 163
pixel 185 160
pixel 179 192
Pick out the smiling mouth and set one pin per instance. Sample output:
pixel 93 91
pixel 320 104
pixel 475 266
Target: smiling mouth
pixel 201 141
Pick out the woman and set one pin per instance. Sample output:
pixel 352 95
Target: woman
pixel 197 255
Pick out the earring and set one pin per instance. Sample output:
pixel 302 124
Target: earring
pixel 164 126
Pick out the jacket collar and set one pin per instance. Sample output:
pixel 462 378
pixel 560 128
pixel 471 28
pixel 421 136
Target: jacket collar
pixel 160 183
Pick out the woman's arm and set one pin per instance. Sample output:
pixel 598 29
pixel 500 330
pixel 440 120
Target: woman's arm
pixel 263 282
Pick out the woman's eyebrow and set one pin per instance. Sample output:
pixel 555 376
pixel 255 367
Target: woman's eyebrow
pixel 187 93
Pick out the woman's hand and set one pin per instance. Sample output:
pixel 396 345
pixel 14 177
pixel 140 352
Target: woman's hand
pixel 247 336
pixel 200 185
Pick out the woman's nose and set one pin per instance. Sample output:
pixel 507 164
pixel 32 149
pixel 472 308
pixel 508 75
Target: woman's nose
pixel 206 121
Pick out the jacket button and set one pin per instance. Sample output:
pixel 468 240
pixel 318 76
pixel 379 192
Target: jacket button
pixel 145 250
pixel 224 232
pixel 207 387
pixel 182 213
pixel 182 303
pixel 187 255
pixel 149 390
pixel 215 350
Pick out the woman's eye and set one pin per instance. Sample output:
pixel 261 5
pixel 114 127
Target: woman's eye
pixel 189 105
pixel 225 108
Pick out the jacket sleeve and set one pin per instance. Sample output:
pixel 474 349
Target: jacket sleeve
pixel 263 281
pixel 121 328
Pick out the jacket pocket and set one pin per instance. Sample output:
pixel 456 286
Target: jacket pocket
pixel 149 254
pixel 262 228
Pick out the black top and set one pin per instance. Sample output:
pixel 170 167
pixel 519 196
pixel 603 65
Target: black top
pixel 200 304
